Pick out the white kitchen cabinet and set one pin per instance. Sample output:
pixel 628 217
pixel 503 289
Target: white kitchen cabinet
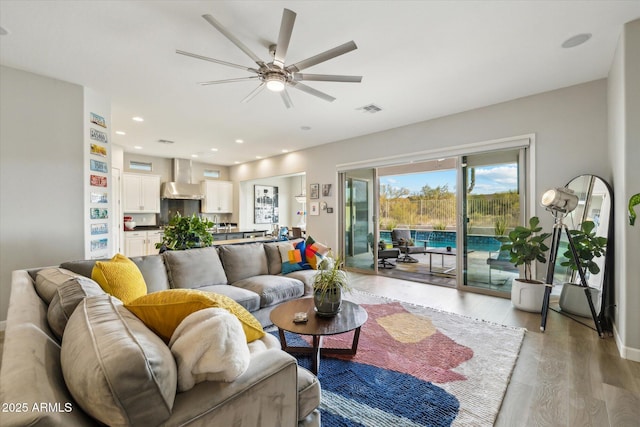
pixel 141 243
pixel 154 237
pixel 140 193
pixel 135 243
pixel 218 197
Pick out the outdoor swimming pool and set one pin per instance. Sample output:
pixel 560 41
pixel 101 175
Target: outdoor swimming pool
pixel 442 239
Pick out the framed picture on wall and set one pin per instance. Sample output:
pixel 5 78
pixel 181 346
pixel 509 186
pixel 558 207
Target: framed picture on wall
pixel 314 208
pixel 326 190
pixel 265 202
pixel 314 192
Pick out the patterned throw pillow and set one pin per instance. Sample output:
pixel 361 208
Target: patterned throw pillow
pixel 120 277
pixel 293 257
pixel 314 252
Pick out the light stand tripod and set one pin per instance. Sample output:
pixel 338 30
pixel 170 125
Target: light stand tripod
pixel 553 254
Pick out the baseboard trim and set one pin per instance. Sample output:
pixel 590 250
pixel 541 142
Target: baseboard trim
pixel 628 353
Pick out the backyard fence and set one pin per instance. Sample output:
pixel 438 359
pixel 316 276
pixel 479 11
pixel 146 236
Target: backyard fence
pixel 482 211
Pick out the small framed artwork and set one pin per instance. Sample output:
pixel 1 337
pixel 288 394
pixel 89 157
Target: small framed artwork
pixel 314 192
pixel 326 190
pixel 314 208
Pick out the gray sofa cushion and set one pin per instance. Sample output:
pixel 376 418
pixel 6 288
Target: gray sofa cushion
pixel 66 299
pixel 194 268
pixel 272 289
pixel 48 280
pixel 308 393
pixel 274 260
pixel 247 299
pixel 151 267
pixel 116 369
pixel 242 261
pixel 306 277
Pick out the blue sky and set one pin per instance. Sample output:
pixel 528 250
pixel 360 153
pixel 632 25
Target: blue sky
pixel 489 179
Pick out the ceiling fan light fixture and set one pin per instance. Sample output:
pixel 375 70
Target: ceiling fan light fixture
pixel 275 82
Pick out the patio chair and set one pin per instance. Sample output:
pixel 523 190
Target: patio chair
pixel 384 255
pixel 502 262
pixel 401 239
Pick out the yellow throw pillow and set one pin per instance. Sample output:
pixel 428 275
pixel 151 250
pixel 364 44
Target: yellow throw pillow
pixel 120 277
pixel 163 311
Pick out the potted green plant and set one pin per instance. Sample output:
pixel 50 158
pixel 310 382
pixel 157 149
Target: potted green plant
pixel 589 247
pixel 524 246
pixel 328 285
pixel 186 232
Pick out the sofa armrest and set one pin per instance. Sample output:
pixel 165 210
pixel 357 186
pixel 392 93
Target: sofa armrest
pixel 264 395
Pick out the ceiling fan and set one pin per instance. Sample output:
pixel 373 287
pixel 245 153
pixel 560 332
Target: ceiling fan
pixel 274 75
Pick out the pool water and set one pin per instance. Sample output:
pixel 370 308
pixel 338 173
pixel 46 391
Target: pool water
pixel 442 239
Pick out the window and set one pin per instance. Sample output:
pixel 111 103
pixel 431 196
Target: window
pixel 210 173
pixel 140 166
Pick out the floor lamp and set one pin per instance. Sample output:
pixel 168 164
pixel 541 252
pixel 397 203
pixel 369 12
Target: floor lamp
pixel 560 202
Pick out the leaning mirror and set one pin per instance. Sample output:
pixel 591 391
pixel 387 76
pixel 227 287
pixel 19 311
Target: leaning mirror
pixel 595 203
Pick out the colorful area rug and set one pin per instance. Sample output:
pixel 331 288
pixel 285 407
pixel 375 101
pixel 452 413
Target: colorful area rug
pixel 415 366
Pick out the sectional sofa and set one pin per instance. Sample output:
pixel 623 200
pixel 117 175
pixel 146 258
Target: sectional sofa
pixel 134 370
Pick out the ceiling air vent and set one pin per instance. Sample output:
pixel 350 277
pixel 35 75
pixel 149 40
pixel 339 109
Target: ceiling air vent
pixel 166 141
pixel 371 108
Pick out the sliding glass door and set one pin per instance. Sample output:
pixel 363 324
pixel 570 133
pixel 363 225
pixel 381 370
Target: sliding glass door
pixel 358 218
pixel 492 198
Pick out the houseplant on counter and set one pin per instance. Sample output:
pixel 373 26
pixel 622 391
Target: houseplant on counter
pixel 186 232
pixel 589 247
pixel 328 285
pixel 526 246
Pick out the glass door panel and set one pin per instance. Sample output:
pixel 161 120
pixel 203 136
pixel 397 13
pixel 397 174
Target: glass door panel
pixel 359 226
pixel 492 196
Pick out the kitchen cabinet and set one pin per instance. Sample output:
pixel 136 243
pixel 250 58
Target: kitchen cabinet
pixel 218 197
pixel 140 193
pixel 141 243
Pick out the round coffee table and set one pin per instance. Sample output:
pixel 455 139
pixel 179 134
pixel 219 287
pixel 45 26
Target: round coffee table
pixel 350 317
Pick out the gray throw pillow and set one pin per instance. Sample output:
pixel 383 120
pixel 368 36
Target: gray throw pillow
pixel 66 298
pixel 116 369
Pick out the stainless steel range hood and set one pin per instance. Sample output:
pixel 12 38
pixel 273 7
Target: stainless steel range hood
pixel 181 186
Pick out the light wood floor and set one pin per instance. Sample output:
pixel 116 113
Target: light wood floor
pixel 566 376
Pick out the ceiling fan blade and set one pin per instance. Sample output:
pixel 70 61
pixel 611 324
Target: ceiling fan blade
pixel 321 57
pixel 218 26
pixel 286 28
pixel 326 78
pixel 286 99
pixel 254 93
pixel 312 91
pixel 217 61
pixel 239 79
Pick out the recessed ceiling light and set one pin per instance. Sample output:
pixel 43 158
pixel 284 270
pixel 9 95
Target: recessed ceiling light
pixel 137 147
pixel 119 132
pixel 194 155
pixel 137 119
pixel 239 141
pixel 285 151
pixel 236 162
pixel 214 149
pixel 258 157
pixel 576 40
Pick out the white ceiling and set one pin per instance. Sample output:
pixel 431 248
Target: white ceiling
pixel 419 60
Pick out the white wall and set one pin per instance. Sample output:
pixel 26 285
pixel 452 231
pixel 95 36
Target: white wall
pixel 42 179
pixel 570 126
pixel 624 134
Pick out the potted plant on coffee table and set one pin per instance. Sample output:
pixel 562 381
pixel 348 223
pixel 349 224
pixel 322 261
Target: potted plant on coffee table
pixel 186 232
pixel 525 245
pixel 328 285
pixel 589 247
